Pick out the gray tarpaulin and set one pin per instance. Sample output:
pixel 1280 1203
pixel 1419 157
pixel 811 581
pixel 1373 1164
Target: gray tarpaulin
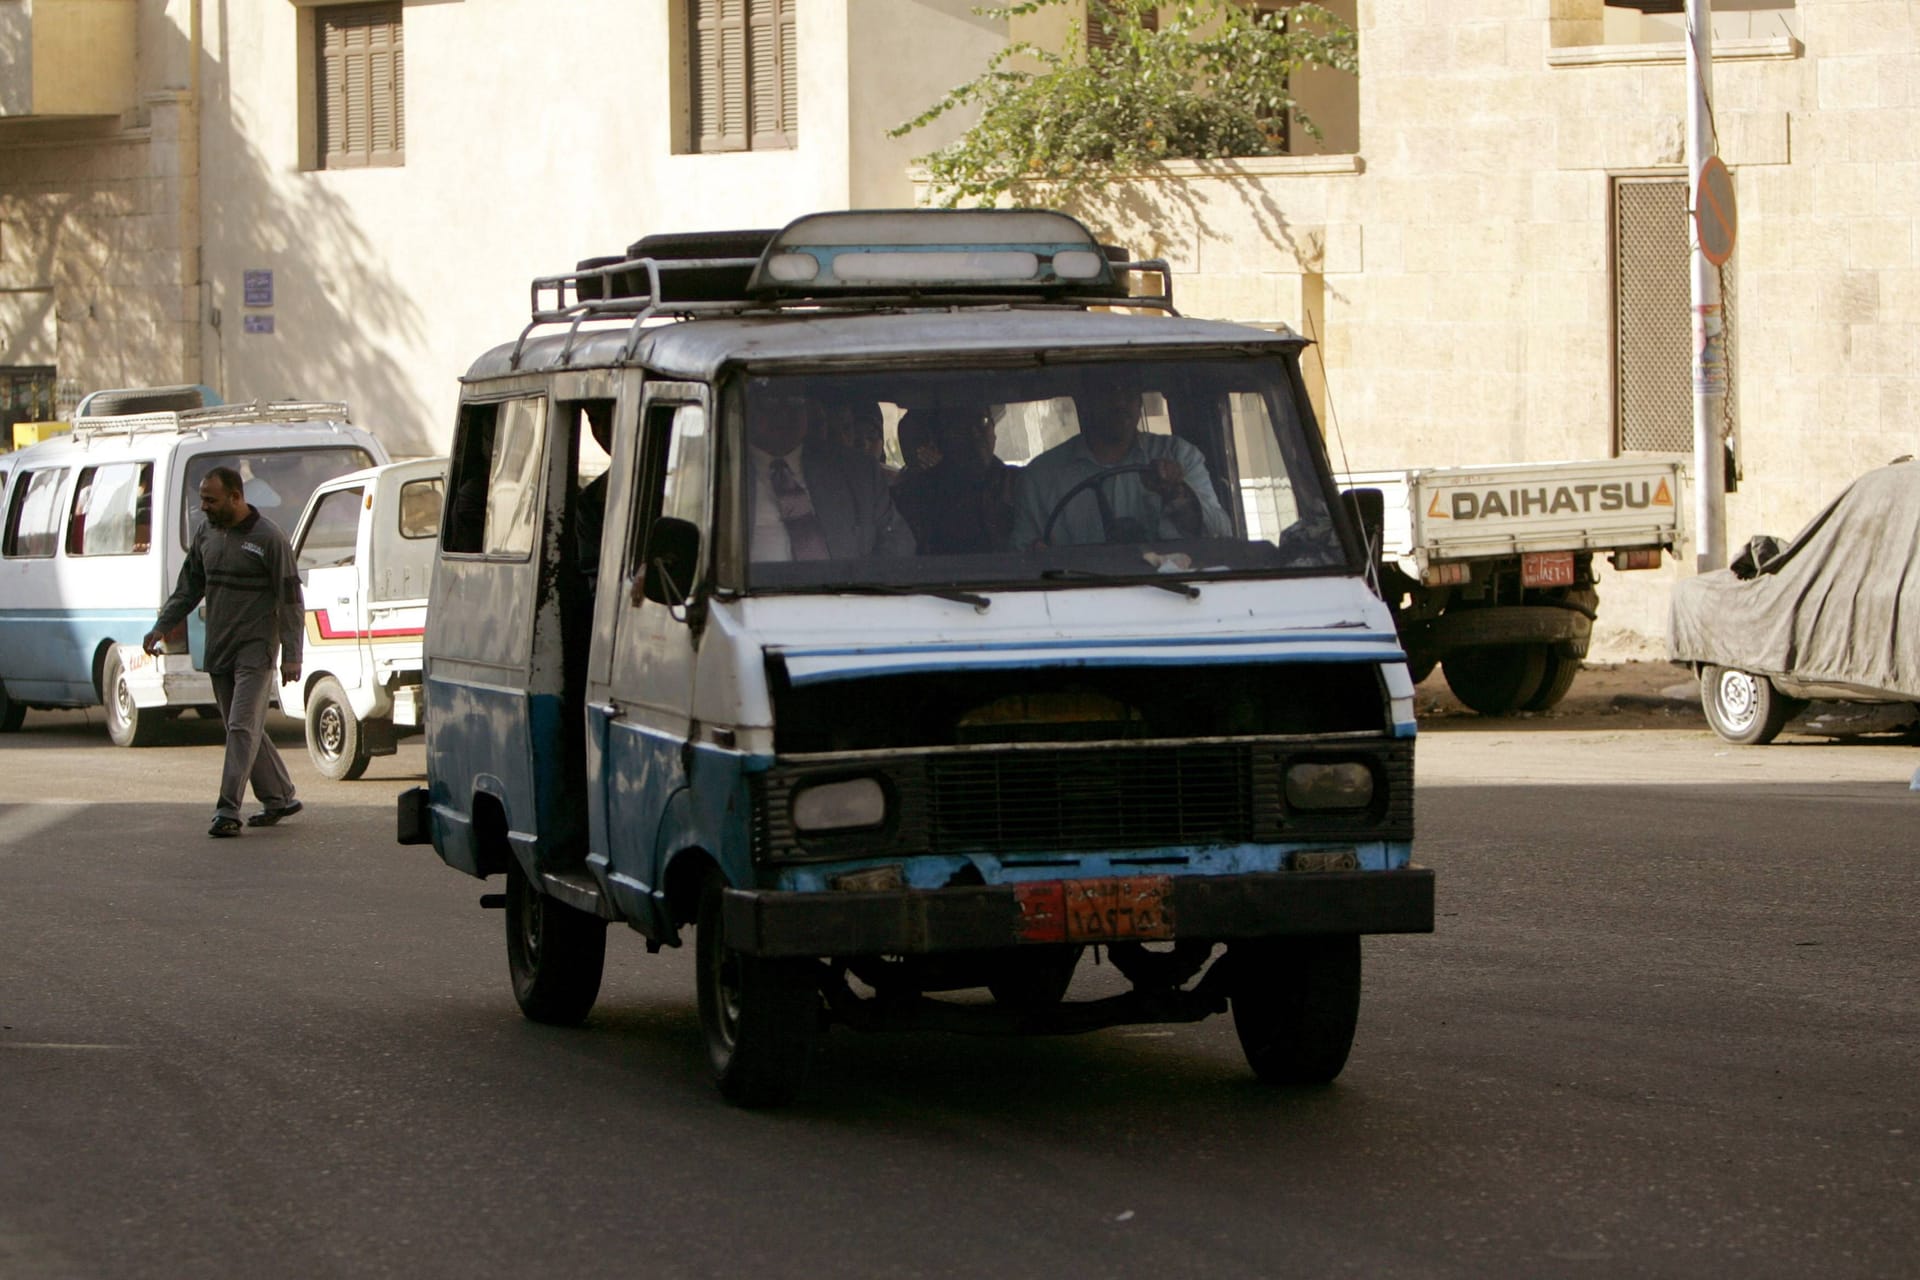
pixel 1840 604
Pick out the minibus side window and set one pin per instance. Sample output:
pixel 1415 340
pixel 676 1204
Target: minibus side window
pixel 33 522
pixel 495 509
pixel 112 510
pixel 673 473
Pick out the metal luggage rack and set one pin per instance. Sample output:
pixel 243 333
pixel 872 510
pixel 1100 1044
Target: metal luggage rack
pixel 609 297
pixel 174 421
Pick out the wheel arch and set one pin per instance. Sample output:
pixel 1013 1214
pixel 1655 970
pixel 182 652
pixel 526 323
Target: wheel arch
pixel 492 845
pixel 685 871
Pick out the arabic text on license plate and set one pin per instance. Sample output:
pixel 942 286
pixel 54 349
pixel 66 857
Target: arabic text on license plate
pixel 1105 910
pixel 1546 569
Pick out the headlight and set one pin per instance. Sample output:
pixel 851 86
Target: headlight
pixel 831 806
pixel 1348 785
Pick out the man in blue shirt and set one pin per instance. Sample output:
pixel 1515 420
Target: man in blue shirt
pixel 1172 496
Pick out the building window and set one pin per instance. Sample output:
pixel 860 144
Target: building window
pixel 361 78
pixel 745 87
pixel 1100 24
pixel 1653 319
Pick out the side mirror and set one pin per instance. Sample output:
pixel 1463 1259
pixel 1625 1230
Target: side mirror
pixel 673 549
pixel 1368 507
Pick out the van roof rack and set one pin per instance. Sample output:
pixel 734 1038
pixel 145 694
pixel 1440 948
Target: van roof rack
pixel 862 260
pixel 258 413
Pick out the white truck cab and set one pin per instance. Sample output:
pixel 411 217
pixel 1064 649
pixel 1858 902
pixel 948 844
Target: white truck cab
pixel 879 736
pixel 365 550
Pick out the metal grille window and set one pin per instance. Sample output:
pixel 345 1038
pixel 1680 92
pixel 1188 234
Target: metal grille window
pixel 1652 318
pixel 362 83
pixel 745 89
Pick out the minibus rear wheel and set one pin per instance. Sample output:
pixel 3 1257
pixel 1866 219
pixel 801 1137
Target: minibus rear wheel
pixel 127 724
pixel 759 1013
pixel 1296 1002
pixel 555 953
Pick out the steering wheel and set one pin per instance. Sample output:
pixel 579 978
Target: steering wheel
pixel 1097 478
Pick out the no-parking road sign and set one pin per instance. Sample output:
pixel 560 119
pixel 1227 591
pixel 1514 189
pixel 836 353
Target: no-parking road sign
pixel 1715 219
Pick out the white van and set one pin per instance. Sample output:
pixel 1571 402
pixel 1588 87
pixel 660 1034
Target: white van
pixel 365 550
pixel 96 526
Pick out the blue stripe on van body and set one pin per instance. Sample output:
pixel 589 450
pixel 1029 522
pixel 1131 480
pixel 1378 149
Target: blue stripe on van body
pixel 46 655
pixel 495 741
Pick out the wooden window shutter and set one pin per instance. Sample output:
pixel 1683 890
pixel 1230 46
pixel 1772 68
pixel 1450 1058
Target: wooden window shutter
pixel 718 53
pixel 362 82
pixel 1100 30
pixel 772 92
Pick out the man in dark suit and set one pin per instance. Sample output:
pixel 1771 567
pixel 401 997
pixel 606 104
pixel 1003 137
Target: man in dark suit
pixel 810 499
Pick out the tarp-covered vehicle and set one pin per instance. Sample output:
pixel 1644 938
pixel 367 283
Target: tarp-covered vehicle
pixel 1833 615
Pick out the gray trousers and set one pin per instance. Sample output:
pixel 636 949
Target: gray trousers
pixel 243 694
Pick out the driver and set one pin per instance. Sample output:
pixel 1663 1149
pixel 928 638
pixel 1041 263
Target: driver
pixel 1171 497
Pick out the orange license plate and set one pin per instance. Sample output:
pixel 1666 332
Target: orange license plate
pixel 1546 569
pixel 1117 909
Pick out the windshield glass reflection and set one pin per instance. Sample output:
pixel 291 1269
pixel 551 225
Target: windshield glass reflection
pixel 1018 477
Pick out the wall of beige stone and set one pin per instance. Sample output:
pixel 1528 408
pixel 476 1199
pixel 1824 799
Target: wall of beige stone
pixel 1458 274
pixel 90 249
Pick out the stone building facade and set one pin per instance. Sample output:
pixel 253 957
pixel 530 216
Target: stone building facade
pixel 1478 246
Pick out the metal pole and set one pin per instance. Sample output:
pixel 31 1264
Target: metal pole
pixel 1709 339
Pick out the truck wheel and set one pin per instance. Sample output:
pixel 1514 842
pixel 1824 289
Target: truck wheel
pixel 12 714
pixel 1558 678
pixel 1496 680
pixel 1744 709
pixel 554 953
pixel 127 724
pixel 1295 1004
pixel 335 738
pixel 759 1014
pixel 1034 978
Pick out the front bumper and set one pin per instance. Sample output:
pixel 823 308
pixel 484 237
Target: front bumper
pixel 1216 908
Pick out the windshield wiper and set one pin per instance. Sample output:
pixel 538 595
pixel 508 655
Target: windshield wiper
pixel 945 591
pixel 1186 589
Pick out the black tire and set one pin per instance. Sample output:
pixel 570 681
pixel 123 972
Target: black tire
pixel 1559 671
pixel 759 1015
pixel 1495 680
pixel 127 724
pixel 1034 977
pixel 1744 709
pixel 555 953
pixel 1296 1002
pixel 336 740
pixel 12 714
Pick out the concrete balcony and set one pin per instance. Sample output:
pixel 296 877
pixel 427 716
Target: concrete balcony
pixel 66 58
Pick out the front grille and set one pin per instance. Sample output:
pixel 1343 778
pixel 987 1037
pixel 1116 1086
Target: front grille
pixel 1073 798
pixel 1116 798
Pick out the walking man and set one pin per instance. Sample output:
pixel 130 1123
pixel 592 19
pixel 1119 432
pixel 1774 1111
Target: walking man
pixel 241 564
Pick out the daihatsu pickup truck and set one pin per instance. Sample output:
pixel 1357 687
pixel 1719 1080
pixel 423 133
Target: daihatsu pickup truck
pixel 915 642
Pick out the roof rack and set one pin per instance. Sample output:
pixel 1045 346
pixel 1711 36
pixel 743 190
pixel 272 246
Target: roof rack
pixel 260 412
pixel 857 261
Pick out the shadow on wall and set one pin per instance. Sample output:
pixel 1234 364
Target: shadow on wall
pixel 342 326
pixel 1174 215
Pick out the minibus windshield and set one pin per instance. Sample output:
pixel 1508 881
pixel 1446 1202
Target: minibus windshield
pixel 1059 475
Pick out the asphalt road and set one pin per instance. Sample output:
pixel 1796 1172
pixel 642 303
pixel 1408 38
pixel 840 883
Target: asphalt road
pixel 1668 1026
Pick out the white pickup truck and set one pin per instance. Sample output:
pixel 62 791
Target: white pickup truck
pixel 1490 569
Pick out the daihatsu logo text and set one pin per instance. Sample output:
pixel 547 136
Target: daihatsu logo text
pixel 1489 504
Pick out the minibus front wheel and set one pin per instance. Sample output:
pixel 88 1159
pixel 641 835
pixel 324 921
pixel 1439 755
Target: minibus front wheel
pixel 1296 1002
pixel 760 1013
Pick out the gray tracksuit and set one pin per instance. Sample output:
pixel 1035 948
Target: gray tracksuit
pixel 252 589
pixel 254 605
